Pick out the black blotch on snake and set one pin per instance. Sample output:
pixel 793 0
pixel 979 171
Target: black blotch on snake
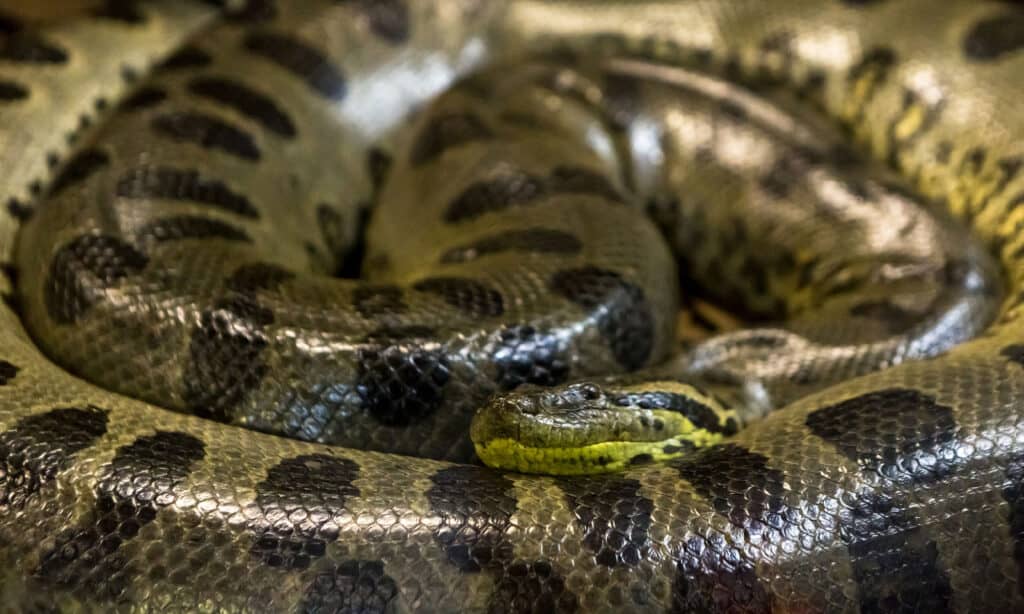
pixel 1013 494
pixel 30 48
pixel 142 478
pixel 1014 352
pixel 247 101
pixel 184 58
pixel 528 587
pixel 614 517
pixel 208 132
pixel 710 571
pixel 402 374
pixel 254 11
pixel 444 132
pixel 579 180
pixel 726 473
pixel 301 60
pixel 183 185
pixel 10 91
pixel 190 227
pixel 353 585
pixel 496 194
pixel 893 559
pixel 921 446
pixel 475 507
pixel 994 37
pixel 626 320
pixel 84 267
pixel 79 168
pixel 144 98
pixel 8 371
pixel 525 355
pixel 320 485
pixel 126 11
pixel 471 297
pixel 38 447
pixel 711 577
pixel 258 276
pixel 332 230
pixel 225 362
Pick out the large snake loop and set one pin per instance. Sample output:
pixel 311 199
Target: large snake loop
pixel 523 186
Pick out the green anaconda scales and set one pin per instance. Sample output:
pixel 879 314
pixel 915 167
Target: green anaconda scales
pixel 356 306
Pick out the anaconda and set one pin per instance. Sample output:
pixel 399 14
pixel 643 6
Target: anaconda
pixel 185 192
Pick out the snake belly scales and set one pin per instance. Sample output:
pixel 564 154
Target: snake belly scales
pixel 185 187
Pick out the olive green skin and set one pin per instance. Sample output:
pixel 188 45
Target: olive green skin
pixel 897 488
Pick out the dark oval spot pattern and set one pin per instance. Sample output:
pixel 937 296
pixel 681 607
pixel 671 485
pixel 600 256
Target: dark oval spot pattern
pixel 207 132
pixel 625 318
pixel 301 60
pixel 319 484
pixel 224 358
pixel 10 91
pixel 225 362
pixel 614 517
pixel 497 194
pixel 83 268
pixel 1014 353
pixel 7 372
pixel 402 375
pixel 524 355
pixel 142 478
pixel 126 11
pixel 444 132
pixel 186 57
pixel 190 227
pixel 468 296
pixel 254 11
pixel 245 100
pixel 144 98
pixel 38 447
pixel 919 441
pixel 475 507
pixel 995 37
pixel 79 168
pixel 183 185
pixel 530 587
pixel 578 180
pixel 351 586
pixel 29 48
pixel 712 574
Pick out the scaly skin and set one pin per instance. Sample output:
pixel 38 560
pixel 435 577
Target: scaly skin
pixel 898 489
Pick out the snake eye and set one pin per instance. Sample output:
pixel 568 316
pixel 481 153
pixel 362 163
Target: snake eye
pixel 589 392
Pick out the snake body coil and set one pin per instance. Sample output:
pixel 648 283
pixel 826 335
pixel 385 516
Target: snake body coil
pixel 184 186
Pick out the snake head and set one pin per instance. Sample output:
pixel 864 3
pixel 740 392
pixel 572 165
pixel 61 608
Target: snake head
pixel 585 427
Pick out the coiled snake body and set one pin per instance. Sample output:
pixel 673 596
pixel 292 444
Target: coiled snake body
pixel 182 183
